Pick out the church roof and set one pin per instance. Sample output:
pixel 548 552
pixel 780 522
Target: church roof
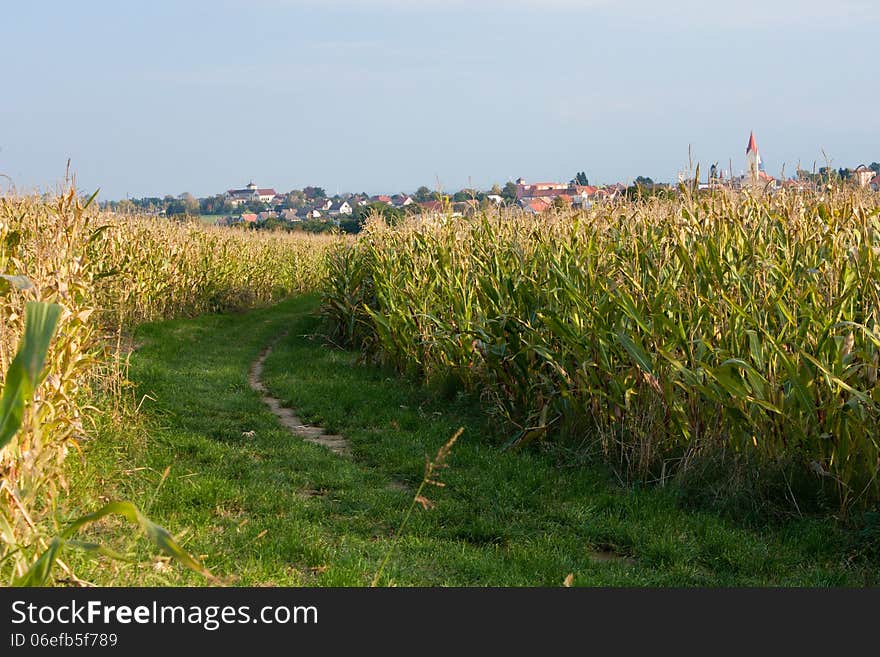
pixel 752 145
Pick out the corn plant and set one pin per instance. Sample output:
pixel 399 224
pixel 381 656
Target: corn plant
pixel 661 331
pixel 104 274
pixel 22 379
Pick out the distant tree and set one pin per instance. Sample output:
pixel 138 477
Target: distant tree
pixel 641 189
pixel 391 214
pixel 875 167
pixel 828 174
pixel 314 192
pixel 174 208
pixel 423 194
pixel 295 199
pixel 561 203
pixel 253 206
pixel 509 192
pixel 125 206
pixel 315 226
pixel 580 179
pixel 216 204
pixel 496 190
pixel 273 224
pixel 183 205
pixel 350 226
pixel 190 203
pixel 807 176
pixel 468 194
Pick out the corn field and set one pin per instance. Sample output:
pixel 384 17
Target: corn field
pixel 109 273
pixel 660 331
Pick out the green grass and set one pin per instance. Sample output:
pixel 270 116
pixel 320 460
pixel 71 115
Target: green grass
pixel 269 509
pixel 211 219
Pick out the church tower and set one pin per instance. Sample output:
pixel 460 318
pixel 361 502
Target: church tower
pixel 753 159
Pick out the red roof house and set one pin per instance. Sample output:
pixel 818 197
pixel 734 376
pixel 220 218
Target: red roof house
pixel 536 206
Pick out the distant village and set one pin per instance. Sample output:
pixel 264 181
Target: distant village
pixel 531 197
pixel 312 209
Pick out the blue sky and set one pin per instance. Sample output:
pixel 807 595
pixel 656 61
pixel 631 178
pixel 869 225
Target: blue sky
pixel 161 97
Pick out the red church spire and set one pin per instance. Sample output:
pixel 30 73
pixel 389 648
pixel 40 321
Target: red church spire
pixel 752 145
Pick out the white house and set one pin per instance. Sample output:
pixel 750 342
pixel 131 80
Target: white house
pixel 581 200
pixel 401 200
pixel 340 207
pixel 249 194
pixel 863 175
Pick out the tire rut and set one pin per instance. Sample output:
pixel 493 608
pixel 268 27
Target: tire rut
pixel 286 416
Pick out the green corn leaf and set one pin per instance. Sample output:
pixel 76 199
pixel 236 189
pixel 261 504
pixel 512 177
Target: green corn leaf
pixel 636 351
pixel 91 198
pixel 13 239
pixel 858 394
pixel 755 349
pixel 18 282
pixel 157 534
pixel 23 374
pixel 96 548
pixel 38 573
pixel 733 387
pixel 757 383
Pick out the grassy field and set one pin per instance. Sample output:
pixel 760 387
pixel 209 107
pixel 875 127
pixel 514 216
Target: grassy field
pixel 210 219
pixel 269 509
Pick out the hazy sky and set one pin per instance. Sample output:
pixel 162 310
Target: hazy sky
pixel 163 97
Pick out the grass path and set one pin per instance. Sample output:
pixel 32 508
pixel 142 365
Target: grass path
pixel 263 507
pixel 285 415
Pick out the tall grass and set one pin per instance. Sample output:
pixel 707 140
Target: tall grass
pixel 663 332
pixel 108 273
